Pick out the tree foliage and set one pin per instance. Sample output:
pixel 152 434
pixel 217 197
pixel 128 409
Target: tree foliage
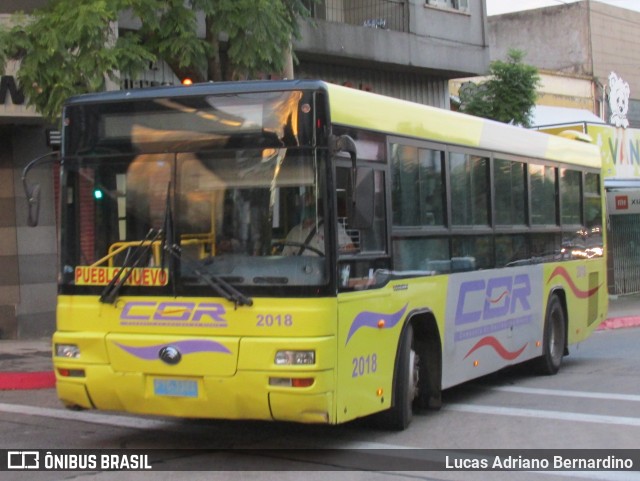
pixel 508 96
pixel 70 47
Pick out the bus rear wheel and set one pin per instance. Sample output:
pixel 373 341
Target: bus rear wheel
pixel 405 385
pixel 554 339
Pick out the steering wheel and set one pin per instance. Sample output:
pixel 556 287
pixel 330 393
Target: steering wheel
pixel 301 245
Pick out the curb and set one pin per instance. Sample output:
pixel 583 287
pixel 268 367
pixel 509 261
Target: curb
pixel 10 381
pixel 619 322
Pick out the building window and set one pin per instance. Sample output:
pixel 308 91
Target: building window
pixel 460 5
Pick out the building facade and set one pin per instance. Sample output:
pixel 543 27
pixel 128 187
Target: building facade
pixel 28 256
pixel 403 48
pixel 585 39
pixel 602 47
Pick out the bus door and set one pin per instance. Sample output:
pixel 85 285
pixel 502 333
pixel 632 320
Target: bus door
pixel 366 349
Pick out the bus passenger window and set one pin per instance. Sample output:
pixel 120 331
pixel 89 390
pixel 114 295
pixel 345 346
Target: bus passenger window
pixel 418 186
pixel 469 188
pixel 510 192
pixel 369 241
pixel 543 195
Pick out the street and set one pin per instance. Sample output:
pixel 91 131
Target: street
pixel 592 403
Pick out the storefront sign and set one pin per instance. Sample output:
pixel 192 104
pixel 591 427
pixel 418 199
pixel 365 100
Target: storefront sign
pixel 620 150
pixel 13 102
pixel 619 93
pixel 9 91
pixel 623 201
pixel 619 145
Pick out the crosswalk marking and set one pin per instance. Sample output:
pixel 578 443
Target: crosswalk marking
pixel 134 422
pixel 88 417
pixel 543 414
pixel 568 393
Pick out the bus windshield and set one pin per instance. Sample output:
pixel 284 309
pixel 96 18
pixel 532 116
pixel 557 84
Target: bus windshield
pixel 180 213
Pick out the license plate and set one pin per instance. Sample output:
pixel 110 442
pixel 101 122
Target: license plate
pixel 175 387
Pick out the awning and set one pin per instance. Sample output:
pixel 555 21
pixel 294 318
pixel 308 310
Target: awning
pixel 544 115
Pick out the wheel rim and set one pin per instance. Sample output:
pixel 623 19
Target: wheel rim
pixel 556 341
pixel 414 376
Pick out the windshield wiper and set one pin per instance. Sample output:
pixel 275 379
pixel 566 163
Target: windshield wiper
pixel 110 292
pixel 217 283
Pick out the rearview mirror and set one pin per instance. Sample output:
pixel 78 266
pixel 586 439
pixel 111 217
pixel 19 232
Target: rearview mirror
pixel 33 205
pixel 345 143
pixel 32 193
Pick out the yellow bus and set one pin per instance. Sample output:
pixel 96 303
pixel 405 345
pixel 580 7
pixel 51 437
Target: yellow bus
pixel 301 251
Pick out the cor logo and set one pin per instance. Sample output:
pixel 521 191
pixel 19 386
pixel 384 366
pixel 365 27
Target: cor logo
pixel 489 299
pixel 189 314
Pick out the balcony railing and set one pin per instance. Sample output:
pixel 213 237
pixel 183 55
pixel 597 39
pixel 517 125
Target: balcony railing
pixel 383 14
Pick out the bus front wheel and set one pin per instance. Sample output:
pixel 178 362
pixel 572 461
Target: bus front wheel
pixel 405 385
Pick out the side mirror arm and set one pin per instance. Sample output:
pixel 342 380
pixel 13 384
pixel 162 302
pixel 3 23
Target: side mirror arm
pixel 32 193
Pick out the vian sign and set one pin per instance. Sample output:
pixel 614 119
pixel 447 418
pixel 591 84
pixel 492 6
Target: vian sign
pixel 12 100
pixel 9 91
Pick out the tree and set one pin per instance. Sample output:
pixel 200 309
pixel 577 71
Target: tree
pixel 508 96
pixel 70 47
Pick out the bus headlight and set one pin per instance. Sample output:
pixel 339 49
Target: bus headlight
pixel 295 358
pixel 69 351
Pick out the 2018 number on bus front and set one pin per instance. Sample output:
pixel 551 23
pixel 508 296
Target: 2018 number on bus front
pixel 277 320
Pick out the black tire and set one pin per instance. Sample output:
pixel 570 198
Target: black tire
pixel 405 385
pixel 553 340
pixel 430 375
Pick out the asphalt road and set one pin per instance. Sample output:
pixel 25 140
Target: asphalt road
pixel 593 403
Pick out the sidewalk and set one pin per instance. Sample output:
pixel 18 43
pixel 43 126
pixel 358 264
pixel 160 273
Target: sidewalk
pixel 624 311
pixel 27 364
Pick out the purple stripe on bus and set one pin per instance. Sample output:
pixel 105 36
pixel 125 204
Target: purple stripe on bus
pixel 371 319
pixel 192 346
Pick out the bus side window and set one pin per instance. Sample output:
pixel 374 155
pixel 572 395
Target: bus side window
pixel 369 239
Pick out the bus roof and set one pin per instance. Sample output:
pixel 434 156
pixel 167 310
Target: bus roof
pixel 206 88
pixel 356 108
pixel 386 114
